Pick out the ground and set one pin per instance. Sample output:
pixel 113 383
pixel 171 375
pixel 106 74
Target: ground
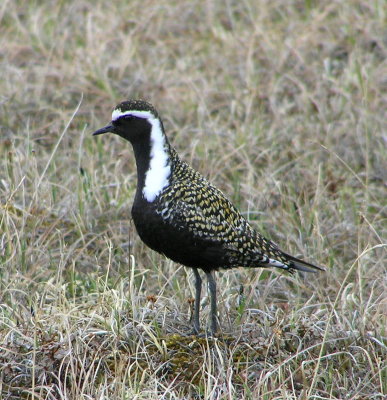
pixel 282 105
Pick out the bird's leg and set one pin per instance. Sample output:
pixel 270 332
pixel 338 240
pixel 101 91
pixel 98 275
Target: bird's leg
pixel 198 290
pixel 213 316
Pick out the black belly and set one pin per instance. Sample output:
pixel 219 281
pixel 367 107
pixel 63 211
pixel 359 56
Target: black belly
pixel 176 243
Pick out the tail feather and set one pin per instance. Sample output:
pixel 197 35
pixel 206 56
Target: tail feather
pixel 289 263
pixel 301 265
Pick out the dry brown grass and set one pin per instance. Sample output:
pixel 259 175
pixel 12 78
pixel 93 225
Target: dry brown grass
pixel 282 105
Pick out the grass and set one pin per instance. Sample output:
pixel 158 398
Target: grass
pixel 282 105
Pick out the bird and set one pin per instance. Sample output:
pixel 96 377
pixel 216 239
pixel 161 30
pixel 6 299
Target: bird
pixel 177 212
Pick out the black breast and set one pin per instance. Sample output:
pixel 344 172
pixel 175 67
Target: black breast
pixel 176 242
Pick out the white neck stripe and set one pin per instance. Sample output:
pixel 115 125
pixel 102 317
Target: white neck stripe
pixel 117 113
pixel 157 176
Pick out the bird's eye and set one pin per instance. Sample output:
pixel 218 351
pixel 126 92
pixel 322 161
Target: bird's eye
pixel 120 120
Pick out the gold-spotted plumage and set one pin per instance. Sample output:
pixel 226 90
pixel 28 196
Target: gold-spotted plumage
pixel 177 212
pixel 194 204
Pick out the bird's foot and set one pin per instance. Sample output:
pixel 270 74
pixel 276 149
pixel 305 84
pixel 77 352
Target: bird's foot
pixel 192 332
pixel 207 334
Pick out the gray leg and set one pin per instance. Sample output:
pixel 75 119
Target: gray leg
pixel 198 290
pixel 213 316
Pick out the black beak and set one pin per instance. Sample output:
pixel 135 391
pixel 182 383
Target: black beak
pixel 105 129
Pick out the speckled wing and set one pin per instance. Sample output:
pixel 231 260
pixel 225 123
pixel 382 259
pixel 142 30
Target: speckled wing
pixel 212 220
pixel 211 225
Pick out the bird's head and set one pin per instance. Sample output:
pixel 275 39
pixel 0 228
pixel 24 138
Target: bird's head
pixel 132 120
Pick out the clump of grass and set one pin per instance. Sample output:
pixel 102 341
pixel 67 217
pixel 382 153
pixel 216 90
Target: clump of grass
pixel 282 107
